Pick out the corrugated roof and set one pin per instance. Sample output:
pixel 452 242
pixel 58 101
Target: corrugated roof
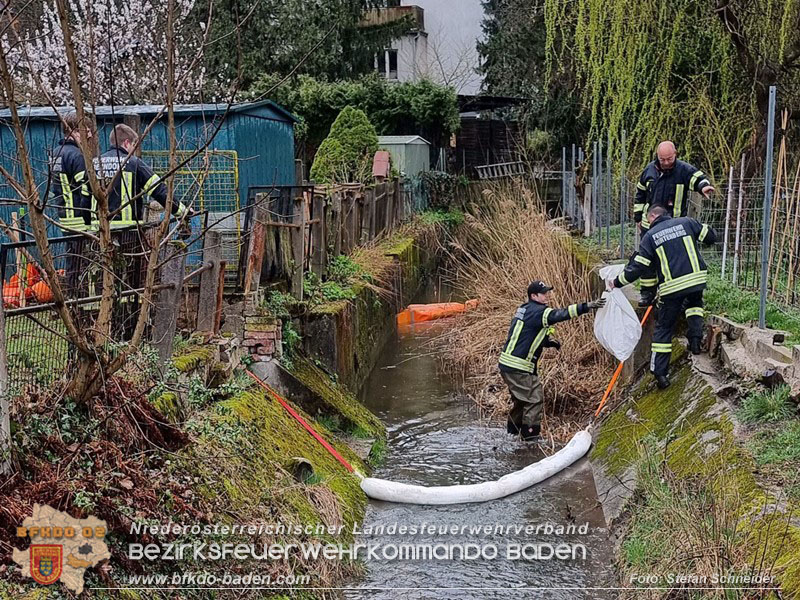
pixel 400 139
pixel 152 109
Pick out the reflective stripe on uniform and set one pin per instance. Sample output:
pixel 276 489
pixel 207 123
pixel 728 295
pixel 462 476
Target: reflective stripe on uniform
pixel 640 186
pixel 692 252
pixel 645 222
pixel 638 207
pixel 537 341
pixel 546 314
pixel 573 311
pixel 662 259
pixel 151 183
pixel 695 177
pixel 649 282
pixel 642 260
pixel 126 198
pixel 665 348
pixel 683 282
pixel 514 336
pixel 622 279
pixel 678 200
pixel 515 362
pixel 703 233
pixel 695 312
pixel 66 193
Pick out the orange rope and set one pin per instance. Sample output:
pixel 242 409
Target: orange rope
pixel 619 370
pixel 302 422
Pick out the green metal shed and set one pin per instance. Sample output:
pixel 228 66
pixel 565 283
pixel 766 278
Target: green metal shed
pixel 411 154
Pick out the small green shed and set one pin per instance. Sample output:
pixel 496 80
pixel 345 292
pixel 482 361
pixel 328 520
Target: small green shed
pixel 411 154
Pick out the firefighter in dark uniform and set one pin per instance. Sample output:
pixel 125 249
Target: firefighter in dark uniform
pixel 69 184
pixel 665 182
pixel 528 335
pixel 670 247
pixel 133 179
pixel 69 188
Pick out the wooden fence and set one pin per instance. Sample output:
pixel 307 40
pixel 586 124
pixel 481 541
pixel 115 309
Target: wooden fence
pixel 296 229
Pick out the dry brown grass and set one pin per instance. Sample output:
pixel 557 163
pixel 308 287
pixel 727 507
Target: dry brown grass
pixel 505 244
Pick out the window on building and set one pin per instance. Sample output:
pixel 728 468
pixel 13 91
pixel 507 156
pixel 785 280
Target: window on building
pixel 392 3
pixel 386 63
pixel 380 63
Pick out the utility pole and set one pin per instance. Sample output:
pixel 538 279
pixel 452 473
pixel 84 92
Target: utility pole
pixel 765 241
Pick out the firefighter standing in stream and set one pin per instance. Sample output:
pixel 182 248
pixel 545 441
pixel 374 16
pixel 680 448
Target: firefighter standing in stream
pixel 670 247
pixel 528 335
pixel 665 182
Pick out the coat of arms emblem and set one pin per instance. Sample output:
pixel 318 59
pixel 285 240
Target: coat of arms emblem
pixel 46 563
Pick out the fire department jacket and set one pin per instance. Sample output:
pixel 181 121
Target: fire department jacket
pixel 135 180
pixel 69 185
pixel 670 246
pixel 529 334
pixel 666 188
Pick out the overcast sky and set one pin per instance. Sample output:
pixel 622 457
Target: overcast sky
pixel 454 25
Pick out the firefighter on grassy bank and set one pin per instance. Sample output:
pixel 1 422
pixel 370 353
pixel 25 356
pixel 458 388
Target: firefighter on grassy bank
pixel 665 182
pixel 132 180
pixel 670 247
pixel 528 335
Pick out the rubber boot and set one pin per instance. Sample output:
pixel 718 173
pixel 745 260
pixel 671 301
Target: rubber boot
pixel 662 381
pixel 695 346
pixel 511 428
pixel 531 433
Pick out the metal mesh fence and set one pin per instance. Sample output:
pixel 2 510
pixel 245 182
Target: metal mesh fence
pixel 37 348
pixel 210 183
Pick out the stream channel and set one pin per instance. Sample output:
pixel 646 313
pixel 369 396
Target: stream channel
pixel 435 438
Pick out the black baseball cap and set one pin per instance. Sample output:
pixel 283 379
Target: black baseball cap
pixel 538 287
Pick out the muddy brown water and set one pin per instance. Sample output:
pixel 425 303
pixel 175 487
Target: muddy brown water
pixel 435 438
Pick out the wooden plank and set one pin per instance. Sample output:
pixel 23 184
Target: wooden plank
pixel 209 280
pixel 220 292
pixel 373 200
pixel 319 240
pixel 336 222
pixel 388 207
pixel 167 305
pixel 298 248
pixel 256 247
pixel 351 217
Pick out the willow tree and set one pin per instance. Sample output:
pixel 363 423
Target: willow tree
pixel 697 71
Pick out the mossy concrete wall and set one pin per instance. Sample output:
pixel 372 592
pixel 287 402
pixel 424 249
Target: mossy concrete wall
pixel 346 337
pixel 694 430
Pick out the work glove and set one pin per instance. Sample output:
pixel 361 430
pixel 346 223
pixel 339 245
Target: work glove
pixel 554 344
pixel 595 304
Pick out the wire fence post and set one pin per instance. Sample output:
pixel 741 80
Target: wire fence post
pixel 5 406
pixel 727 221
pixel 623 199
pixel 572 188
pixel 762 308
pixel 593 205
pixel 564 201
pixel 600 191
pixel 736 247
pixel 608 189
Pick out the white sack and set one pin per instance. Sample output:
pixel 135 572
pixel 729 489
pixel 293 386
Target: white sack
pixel 390 491
pixel 616 325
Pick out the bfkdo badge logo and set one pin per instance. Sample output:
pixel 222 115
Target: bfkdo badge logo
pixel 46 562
